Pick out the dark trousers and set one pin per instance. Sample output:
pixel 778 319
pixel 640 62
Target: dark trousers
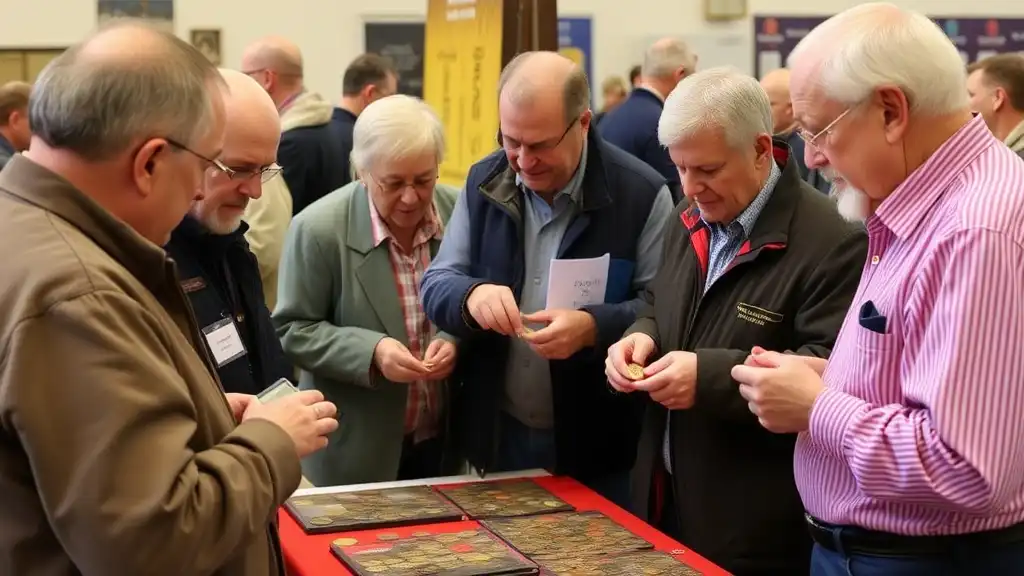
pixel 525 448
pixel 420 460
pixel 966 560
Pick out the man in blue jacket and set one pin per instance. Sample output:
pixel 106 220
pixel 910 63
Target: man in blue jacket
pixel 534 394
pixel 633 125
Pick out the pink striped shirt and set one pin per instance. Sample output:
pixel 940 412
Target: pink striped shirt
pixel 920 430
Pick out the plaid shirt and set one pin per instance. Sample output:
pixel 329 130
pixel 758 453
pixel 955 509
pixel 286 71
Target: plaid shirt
pixel 423 406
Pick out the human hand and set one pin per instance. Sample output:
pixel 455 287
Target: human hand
pixel 633 349
pixel 816 364
pixel 239 403
pixel 780 390
pixel 494 308
pixel 566 332
pixel 672 380
pixel 396 363
pixel 440 359
pixel 305 416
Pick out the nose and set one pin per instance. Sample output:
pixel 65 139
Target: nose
pixel 252 187
pixel 813 157
pixel 409 196
pixel 691 184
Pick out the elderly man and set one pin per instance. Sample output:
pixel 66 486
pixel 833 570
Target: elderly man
pixel 367 79
pixel 218 271
pixel 309 152
pixel 776 85
pixel 996 88
pixel 350 314
pixel 910 455
pixel 14 130
pixel 761 258
pixel 537 398
pixel 120 454
pixel 633 126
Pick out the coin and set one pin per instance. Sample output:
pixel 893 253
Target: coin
pixel 387 537
pixel 302 502
pixel 527 330
pixel 635 371
pixel 551 504
pixel 346 541
pixel 321 521
pixel 420 534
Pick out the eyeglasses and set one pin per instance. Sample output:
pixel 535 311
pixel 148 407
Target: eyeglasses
pixel 420 185
pixel 826 131
pixel 266 174
pixel 512 144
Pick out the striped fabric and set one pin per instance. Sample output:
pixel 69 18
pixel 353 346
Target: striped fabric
pixel 921 428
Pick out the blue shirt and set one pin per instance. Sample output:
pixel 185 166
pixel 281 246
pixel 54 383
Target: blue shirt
pixel 726 241
pixel 527 375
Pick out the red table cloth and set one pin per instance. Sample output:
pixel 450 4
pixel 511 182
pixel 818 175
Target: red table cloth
pixel 310 555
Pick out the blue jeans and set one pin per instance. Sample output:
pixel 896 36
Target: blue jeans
pixel 968 560
pixel 524 448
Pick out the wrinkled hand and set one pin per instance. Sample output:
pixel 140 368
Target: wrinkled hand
pixel 494 308
pixel 566 332
pixel 633 349
pixel 672 380
pixel 239 403
pixel 439 359
pixel 815 363
pixel 780 390
pixel 396 363
pixel 305 416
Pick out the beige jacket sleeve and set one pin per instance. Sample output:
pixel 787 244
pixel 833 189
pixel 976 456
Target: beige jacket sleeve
pixel 268 218
pixel 106 421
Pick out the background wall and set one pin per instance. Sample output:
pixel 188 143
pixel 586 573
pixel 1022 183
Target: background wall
pixel 330 32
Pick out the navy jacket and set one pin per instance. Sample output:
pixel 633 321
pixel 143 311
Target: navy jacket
pixel 596 430
pixel 813 177
pixel 312 161
pixel 342 124
pixel 633 126
pixel 220 276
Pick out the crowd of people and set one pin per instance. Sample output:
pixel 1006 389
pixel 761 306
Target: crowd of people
pixel 804 361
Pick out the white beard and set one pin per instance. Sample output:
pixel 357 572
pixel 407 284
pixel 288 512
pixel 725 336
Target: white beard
pixel 853 204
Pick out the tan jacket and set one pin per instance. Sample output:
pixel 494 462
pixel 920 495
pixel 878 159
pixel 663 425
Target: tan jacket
pixel 119 454
pixel 268 219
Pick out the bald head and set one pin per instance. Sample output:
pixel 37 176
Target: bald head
pixel 248 106
pixel 534 78
pixel 273 53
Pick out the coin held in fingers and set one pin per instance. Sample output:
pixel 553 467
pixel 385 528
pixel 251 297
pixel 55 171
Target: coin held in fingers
pixel 635 372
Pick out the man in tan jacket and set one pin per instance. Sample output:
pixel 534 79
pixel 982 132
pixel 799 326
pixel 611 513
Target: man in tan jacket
pixel 119 452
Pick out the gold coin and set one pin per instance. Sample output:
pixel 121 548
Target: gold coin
pixel 527 330
pixel 420 534
pixel 635 371
pixel 346 541
pixel 321 521
pixel 302 502
pixel 387 537
pixel 551 504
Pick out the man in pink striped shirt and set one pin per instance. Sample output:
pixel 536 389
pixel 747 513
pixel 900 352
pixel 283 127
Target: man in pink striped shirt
pixel 910 459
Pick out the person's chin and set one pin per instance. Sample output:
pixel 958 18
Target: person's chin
pixel 853 204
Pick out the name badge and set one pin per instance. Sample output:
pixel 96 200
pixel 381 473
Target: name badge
pixel 224 341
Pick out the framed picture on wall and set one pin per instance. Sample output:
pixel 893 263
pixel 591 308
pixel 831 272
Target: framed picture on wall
pixel 207 42
pixel 725 10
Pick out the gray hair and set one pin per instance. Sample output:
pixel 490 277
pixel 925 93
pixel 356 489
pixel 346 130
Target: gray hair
pixel 717 98
pixel 575 92
pixel 878 44
pixel 100 106
pixel 393 127
pixel 666 56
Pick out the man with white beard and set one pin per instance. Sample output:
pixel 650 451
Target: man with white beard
pixel 853 204
pixel 218 271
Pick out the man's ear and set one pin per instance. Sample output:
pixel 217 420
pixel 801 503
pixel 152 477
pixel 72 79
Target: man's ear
pixel 144 164
pixel 999 99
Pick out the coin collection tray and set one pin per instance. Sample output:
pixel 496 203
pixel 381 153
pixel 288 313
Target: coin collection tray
pixel 481 500
pixel 367 509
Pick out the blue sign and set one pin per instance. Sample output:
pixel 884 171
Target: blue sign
pixel 575 37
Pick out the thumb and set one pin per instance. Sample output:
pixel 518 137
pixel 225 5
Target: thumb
pixel 662 363
pixel 642 348
pixel 433 348
pixel 745 374
pixel 757 350
pixel 539 317
pixel 769 359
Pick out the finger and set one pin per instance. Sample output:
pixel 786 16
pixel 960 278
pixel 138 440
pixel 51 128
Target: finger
pixel 545 335
pixel 757 350
pixel 307 397
pixel 502 323
pixel 433 349
pixel 663 395
pixel 539 317
pixel 325 426
pixel 749 393
pixel 485 318
pixel 658 366
pixel 771 359
pixel 750 375
pixel 642 349
pixel 616 380
pixel 412 365
pixel 617 356
pixel 325 409
pixel 754 409
pixel 656 382
pixel 511 308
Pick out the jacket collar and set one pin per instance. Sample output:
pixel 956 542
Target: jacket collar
pixel 340 113
pixel 193 233
pixel 500 184
pixel 47 190
pixel 772 225
pixel 6 146
pixel 359 228
pixel 1015 139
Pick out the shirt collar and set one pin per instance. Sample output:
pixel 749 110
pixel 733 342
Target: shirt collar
pixel 905 207
pixel 752 212
pixel 430 228
pixel 1015 139
pixel 573 187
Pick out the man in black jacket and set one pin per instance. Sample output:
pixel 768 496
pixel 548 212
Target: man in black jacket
pixel 218 271
pixel 367 79
pixel 761 259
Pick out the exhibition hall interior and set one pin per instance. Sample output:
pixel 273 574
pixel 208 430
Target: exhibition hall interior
pixel 512 287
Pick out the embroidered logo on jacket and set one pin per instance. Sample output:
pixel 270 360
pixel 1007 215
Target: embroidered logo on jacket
pixel 756 315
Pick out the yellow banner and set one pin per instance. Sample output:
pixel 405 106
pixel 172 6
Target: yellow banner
pixel 462 64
